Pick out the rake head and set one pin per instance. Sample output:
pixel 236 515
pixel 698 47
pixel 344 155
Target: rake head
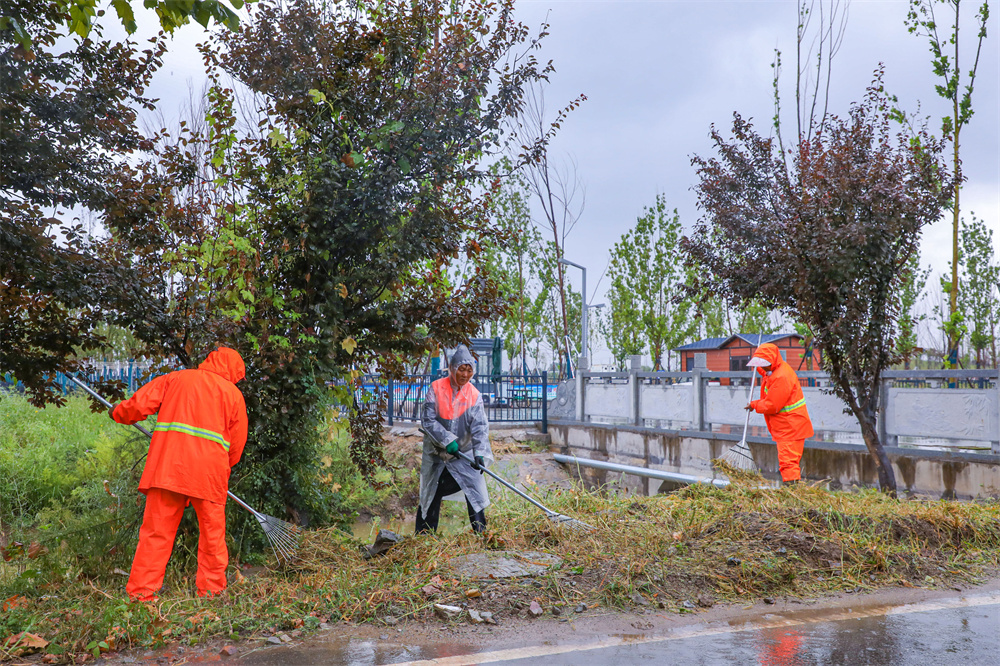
pixel 570 523
pixel 740 457
pixel 283 536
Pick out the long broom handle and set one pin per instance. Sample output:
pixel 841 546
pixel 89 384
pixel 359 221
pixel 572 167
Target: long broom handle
pixel 500 480
pixel 746 424
pixel 97 396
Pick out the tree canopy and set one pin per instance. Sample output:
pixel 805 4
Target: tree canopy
pixel 310 223
pixel 826 240
pixel 67 124
pixel 648 280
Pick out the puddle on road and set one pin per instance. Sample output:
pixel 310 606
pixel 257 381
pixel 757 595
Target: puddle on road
pixel 355 652
pixel 879 634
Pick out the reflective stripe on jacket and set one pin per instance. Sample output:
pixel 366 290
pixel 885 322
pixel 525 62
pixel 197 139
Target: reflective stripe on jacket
pixel 201 427
pixel 782 402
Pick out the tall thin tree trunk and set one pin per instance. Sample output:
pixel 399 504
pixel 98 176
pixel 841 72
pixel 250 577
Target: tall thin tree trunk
pixel 953 332
pixel 886 475
pixel 868 421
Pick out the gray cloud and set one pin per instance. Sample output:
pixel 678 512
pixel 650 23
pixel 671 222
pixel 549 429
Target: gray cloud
pixel 659 74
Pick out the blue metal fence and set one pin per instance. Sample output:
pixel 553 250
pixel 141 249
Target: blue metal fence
pixel 507 398
pixel 132 373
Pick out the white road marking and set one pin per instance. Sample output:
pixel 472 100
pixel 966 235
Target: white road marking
pixel 535 651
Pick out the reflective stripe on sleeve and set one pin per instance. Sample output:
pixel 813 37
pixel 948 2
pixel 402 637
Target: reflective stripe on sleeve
pixel 794 405
pixel 193 431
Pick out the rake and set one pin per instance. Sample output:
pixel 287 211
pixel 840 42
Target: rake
pixel 282 535
pixel 740 457
pixel 554 516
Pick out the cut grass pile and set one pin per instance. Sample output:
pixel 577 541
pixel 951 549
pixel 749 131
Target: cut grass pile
pixel 695 547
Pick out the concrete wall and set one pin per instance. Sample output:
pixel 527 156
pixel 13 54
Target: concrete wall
pixel 930 474
pixel 696 400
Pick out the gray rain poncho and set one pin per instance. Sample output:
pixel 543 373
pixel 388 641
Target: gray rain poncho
pixel 468 425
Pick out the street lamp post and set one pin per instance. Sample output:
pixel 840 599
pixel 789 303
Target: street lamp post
pixel 582 364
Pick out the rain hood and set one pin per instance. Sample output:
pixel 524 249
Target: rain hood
pixel 226 363
pixel 769 353
pixel 461 356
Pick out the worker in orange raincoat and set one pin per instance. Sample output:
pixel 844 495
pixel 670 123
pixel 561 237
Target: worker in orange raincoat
pixel 200 433
pixel 784 408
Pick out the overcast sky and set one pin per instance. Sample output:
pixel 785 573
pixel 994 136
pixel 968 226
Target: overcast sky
pixel 658 74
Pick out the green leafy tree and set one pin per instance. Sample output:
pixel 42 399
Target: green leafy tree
pixel 750 317
pixel 621 326
pixel 648 281
pixel 509 261
pixel 979 299
pixel 956 86
pixel 319 243
pixel 710 313
pixel 67 129
pixel 78 16
pixel 546 320
pixel 824 239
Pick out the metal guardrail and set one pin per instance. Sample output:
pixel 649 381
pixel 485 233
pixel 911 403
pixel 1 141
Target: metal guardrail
pixel 639 471
pixel 946 408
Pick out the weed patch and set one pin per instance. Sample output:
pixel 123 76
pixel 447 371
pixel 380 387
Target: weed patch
pixel 691 549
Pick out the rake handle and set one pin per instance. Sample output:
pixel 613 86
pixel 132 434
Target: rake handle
pixel 505 483
pixel 746 424
pixel 97 396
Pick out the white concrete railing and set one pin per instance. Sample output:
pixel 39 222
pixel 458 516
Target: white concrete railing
pixel 696 401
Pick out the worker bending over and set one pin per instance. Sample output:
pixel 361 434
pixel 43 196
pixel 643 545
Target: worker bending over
pixel 200 433
pixel 454 418
pixel 784 408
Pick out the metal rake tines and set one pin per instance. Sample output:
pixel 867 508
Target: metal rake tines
pixel 740 457
pixel 283 536
pixel 571 523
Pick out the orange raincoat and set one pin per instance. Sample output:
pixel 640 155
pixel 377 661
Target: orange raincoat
pixel 200 433
pixel 784 408
pixel 201 426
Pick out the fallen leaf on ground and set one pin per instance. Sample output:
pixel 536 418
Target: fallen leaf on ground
pixel 24 643
pixel 14 602
pixel 203 616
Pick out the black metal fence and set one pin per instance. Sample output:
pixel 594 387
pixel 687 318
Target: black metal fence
pixel 507 398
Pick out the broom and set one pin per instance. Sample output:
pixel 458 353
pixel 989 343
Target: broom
pixel 740 457
pixel 282 535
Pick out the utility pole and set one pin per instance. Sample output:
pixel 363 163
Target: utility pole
pixel 582 364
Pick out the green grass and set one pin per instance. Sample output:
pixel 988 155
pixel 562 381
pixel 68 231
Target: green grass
pixel 387 497
pixel 47 453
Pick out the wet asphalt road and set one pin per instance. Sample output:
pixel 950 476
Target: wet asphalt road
pixel 962 631
pixel 968 636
